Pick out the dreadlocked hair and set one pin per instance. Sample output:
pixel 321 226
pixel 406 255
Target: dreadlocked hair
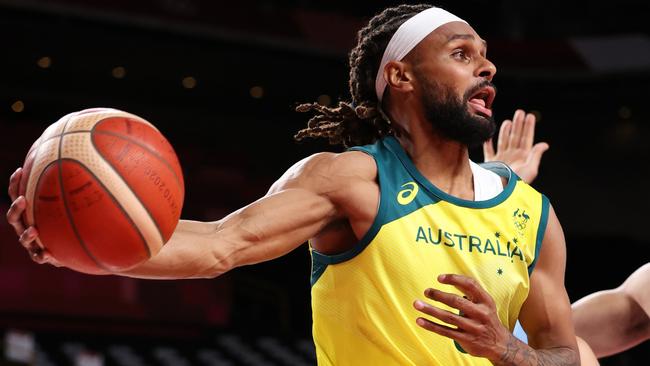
pixel 360 121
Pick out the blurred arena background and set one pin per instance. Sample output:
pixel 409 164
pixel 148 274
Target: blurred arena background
pixel 220 80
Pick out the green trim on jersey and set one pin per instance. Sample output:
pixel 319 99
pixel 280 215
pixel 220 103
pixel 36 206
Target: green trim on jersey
pixel 397 149
pixel 543 221
pixel 318 266
pixel 396 173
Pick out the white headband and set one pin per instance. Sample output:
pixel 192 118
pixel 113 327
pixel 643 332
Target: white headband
pixel 409 35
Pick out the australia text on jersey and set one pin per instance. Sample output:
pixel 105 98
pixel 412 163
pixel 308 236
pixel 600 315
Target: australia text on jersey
pixel 467 242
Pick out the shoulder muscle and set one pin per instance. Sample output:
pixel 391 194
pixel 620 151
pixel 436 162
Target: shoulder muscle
pixel 327 173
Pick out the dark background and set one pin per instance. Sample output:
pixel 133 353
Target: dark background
pixel 221 79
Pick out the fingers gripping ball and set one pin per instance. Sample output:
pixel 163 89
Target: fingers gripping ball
pixel 104 189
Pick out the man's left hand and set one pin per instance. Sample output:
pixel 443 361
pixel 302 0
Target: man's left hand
pixel 477 327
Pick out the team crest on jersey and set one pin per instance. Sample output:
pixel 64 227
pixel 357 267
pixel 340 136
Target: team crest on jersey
pixel 520 219
pixel 407 195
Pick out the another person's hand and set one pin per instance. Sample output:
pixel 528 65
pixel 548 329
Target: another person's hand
pixel 515 146
pixel 478 329
pixel 27 235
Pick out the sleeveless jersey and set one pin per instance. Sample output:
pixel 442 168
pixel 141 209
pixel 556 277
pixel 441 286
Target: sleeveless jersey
pixel 362 299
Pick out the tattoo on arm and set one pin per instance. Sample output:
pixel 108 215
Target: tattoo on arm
pixel 519 354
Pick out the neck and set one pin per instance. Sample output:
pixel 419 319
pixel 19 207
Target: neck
pixel 444 162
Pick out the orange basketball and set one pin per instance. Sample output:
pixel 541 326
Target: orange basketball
pixel 104 190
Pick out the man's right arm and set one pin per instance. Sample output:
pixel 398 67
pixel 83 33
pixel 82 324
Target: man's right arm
pixel 298 206
pixel 264 230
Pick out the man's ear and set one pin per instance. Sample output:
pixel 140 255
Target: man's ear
pixel 398 76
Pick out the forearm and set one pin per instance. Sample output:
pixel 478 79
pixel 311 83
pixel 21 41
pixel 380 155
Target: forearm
pixel 261 231
pixel 188 254
pixel 517 353
pixel 627 323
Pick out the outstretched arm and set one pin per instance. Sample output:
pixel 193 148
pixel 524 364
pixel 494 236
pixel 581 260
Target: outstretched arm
pixel 515 146
pixel 612 321
pixel 297 207
pixel 261 231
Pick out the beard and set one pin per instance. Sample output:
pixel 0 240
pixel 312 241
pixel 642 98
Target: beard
pixel 450 115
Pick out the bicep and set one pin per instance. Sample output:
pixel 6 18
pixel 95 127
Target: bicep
pixel 546 313
pixel 623 311
pixel 310 195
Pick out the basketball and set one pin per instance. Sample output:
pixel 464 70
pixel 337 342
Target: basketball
pixel 104 190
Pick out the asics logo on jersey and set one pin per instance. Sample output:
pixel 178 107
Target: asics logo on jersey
pixel 407 195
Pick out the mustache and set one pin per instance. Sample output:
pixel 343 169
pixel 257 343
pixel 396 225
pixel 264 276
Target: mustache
pixel 474 89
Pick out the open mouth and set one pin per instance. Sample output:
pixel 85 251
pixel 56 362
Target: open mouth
pixel 481 101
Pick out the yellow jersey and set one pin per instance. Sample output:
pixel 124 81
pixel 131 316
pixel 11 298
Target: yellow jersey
pixel 362 299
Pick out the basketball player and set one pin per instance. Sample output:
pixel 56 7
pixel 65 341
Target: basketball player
pixel 402 208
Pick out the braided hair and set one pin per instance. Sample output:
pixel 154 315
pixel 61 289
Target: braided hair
pixel 360 121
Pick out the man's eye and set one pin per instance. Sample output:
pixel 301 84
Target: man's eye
pixel 460 54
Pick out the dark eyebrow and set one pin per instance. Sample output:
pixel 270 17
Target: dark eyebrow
pixel 464 36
